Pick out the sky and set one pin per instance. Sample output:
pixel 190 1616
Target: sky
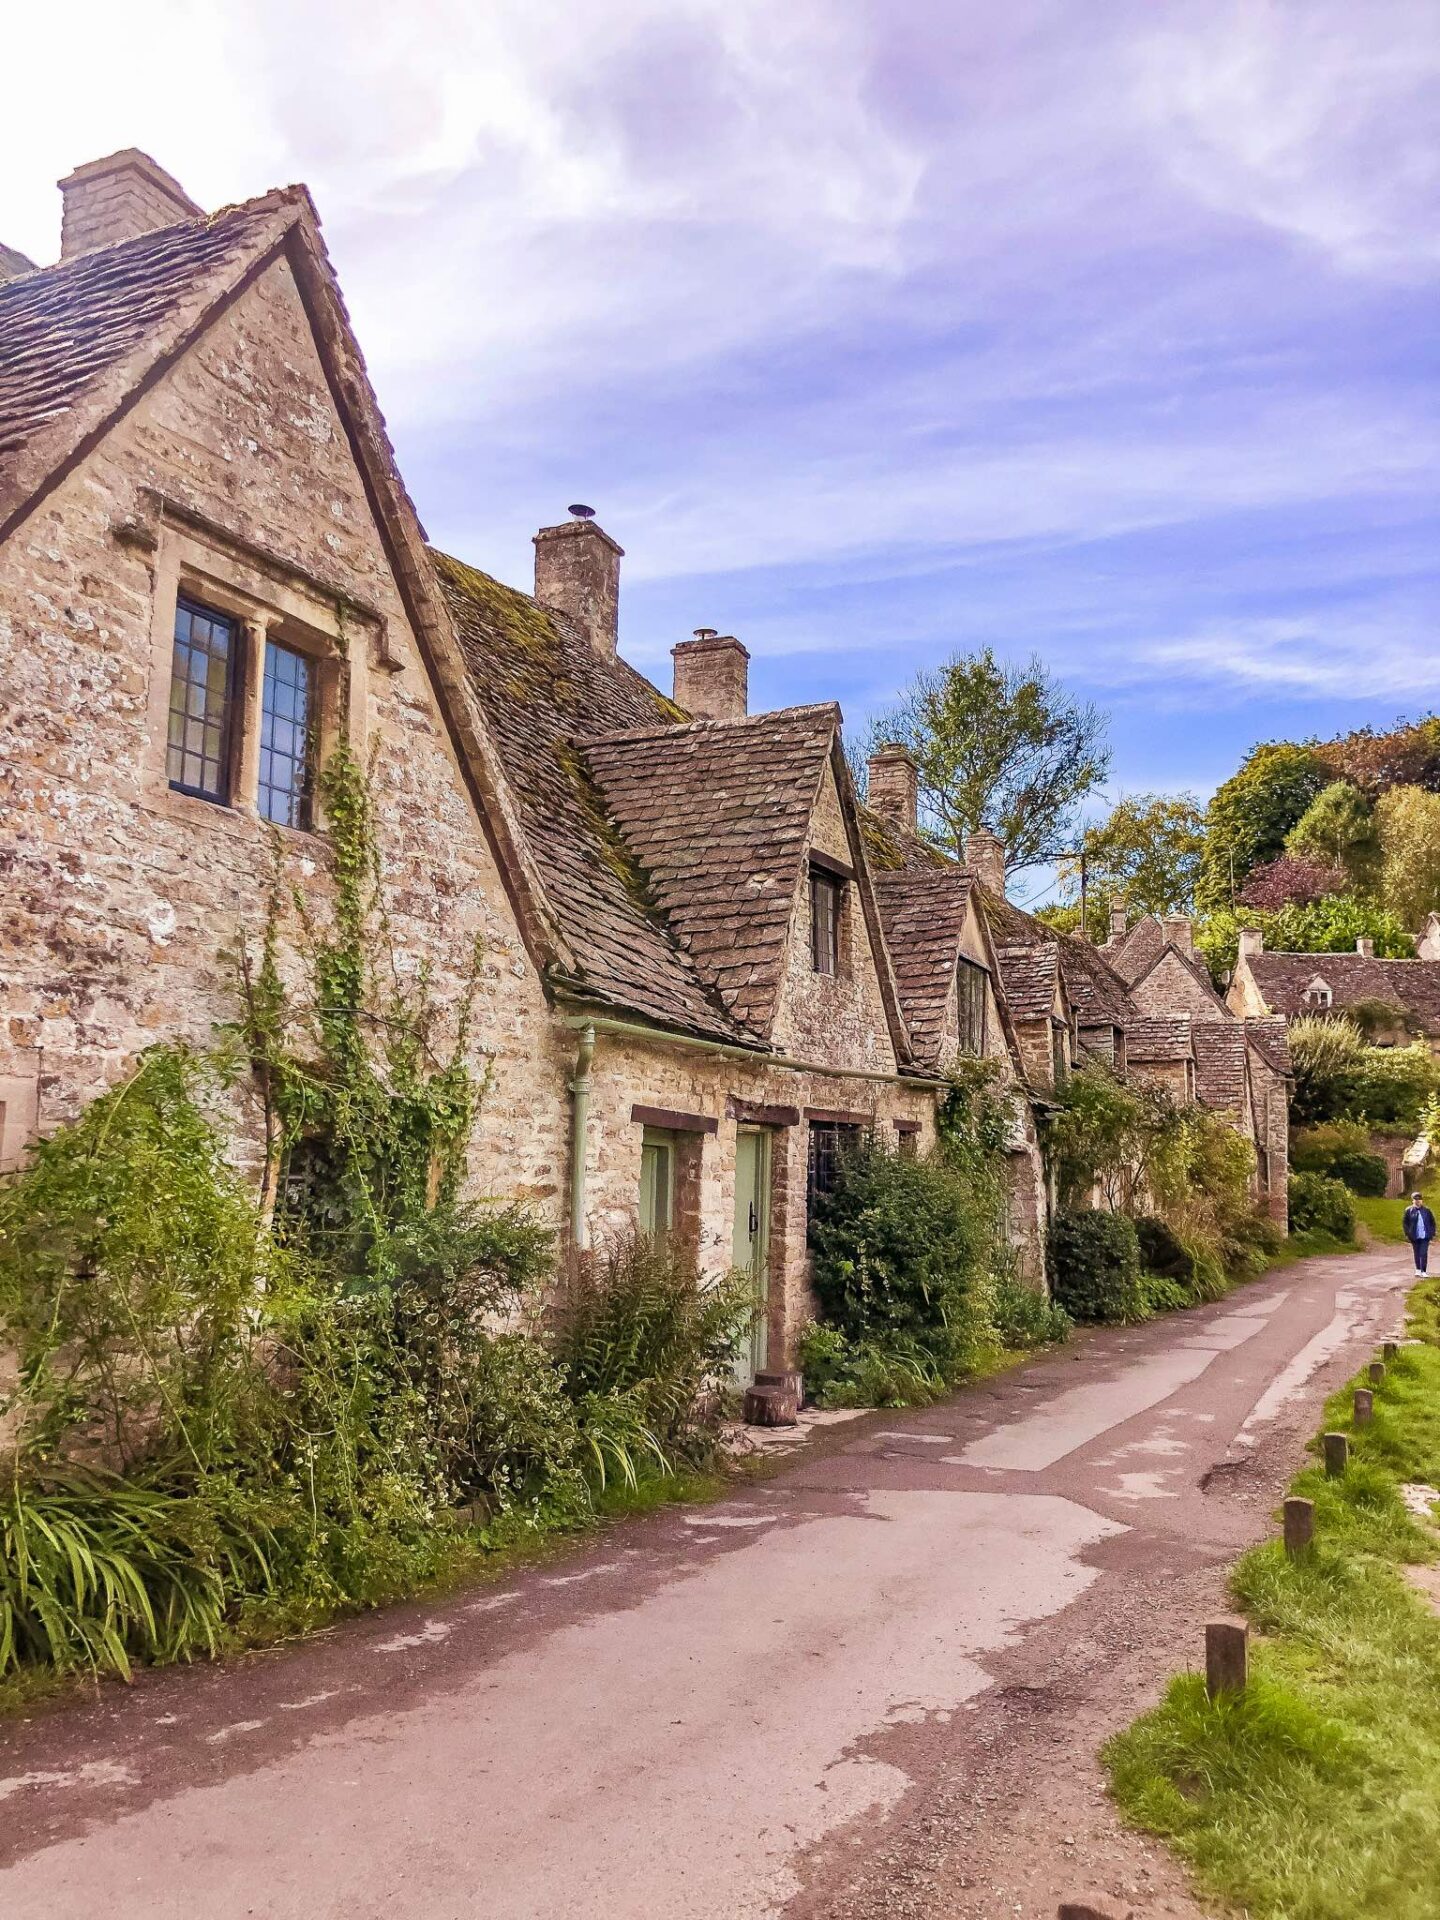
pixel 873 329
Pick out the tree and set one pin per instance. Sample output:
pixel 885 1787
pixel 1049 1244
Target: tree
pixel 1250 815
pixel 1331 925
pixel 998 746
pixel 1338 830
pixel 1408 821
pixel 1289 881
pixel 1145 856
pixel 1407 756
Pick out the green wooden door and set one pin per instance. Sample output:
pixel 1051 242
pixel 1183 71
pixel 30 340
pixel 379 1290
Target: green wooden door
pixel 751 1245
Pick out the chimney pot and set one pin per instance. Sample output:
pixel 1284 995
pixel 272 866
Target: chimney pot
pixel 985 857
pixel 577 571
pixel 894 783
pixel 119 198
pixel 712 675
pixel 1119 923
pixel 1366 946
pixel 1180 932
pixel 1252 941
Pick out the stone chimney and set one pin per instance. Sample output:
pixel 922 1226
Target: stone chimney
pixel 1119 923
pixel 1252 941
pixel 712 676
pixel 985 857
pixel 1179 931
pixel 1366 947
pixel 895 787
pixel 119 198
pixel 1428 945
pixel 577 570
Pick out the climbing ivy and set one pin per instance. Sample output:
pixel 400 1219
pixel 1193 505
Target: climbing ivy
pixel 367 1113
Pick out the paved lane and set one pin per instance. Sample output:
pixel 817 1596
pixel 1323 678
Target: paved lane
pixel 702 1715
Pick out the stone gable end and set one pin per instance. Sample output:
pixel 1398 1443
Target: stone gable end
pixel 841 1019
pixel 1171 988
pixel 232 476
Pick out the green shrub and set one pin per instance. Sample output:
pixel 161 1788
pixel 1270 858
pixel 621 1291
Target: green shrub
pixel 1094 1261
pixel 896 1371
pixel 900 1246
pixel 1025 1318
pixel 1160 1293
pixel 1319 1204
pixel 1341 1150
pixel 640 1345
pixel 1338 1077
pixel 1161 1251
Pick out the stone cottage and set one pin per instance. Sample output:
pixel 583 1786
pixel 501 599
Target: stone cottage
pixel 1396 1001
pixel 1234 1060
pixel 695 988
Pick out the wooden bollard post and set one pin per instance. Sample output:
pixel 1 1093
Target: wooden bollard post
pixel 1377 1372
pixel 1226 1657
pixel 1364 1406
pixel 1337 1454
pixel 1299 1525
pixel 1391 1348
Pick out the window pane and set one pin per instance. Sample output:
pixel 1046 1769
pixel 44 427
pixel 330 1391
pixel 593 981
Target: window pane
pixel 824 921
pixel 657 1182
pixel 201 702
pixel 286 745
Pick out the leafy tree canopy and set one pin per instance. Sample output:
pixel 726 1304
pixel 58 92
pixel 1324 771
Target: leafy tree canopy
pixel 1247 821
pixel 1000 746
pixel 1331 925
pixel 1338 829
pixel 1144 856
pixel 1408 819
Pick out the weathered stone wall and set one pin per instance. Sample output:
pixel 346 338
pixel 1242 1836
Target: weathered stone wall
pixel 1171 989
pixel 627 1072
pixel 835 1017
pixel 123 898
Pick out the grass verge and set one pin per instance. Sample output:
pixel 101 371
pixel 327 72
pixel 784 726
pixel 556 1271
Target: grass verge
pixel 1315 1795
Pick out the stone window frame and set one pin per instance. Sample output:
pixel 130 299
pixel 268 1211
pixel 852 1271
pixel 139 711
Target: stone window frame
pixel 972 1006
pixel 266 602
pixel 828 878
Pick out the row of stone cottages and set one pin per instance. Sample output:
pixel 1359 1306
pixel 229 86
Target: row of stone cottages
pixel 707 966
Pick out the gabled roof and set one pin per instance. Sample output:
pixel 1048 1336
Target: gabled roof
pixel 1096 992
pixel 1136 951
pixel 1158 1041
pixel 79 339
pixel 542 686
pixel 1269 1036
pixel 1220 1061
pixel 717 815
pixel 923 910
pixel 1352 977
pixel 1196 969
pixel 1030 975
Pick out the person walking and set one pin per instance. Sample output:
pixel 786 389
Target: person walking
pixel 1419 1225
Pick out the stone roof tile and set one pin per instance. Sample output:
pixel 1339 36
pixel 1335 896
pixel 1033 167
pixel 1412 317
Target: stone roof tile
pixel 1151 1042
pixel 923 911
pixel 1220 1050
pixel 717 814
pixel 1282 979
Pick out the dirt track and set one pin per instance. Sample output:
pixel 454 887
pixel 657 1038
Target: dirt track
pixel 871 1685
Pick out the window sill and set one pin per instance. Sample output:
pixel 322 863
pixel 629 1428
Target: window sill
pixel 238 818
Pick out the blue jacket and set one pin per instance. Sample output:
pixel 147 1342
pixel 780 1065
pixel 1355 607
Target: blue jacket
pixel 1419 1223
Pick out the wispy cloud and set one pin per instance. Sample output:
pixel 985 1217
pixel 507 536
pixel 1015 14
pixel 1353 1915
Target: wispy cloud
pixel 871 326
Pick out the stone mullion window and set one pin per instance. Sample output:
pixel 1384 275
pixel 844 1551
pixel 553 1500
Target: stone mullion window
pixel 971 983
pixel 204 680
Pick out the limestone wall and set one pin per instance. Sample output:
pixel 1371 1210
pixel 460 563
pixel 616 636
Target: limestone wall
pixel 123 899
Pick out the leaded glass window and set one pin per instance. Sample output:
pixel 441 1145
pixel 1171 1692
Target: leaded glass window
pixel 285 737
pixel 825 922
pixel 202 699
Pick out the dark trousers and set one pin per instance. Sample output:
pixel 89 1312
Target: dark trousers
pixel 1421 1250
